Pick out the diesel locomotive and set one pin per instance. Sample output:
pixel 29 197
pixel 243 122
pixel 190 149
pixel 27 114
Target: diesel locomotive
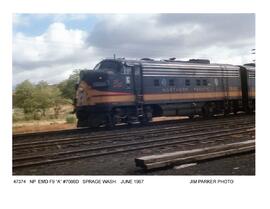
pixel 127 91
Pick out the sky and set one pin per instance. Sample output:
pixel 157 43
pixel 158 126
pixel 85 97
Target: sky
pixel 50 46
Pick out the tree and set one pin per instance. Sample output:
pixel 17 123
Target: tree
pixel 67 87
pixel 45 96
pixel 23 97
pixel 36 99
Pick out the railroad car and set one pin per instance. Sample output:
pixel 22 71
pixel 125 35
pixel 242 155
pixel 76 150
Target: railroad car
pixel 125 91
pixel 250 77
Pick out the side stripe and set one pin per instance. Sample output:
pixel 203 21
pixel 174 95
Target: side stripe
pixel 187 76
pixel 193 95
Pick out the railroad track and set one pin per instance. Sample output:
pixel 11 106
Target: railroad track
pixel 173 137
pixel 35 138
pixel 80 131
pixel 24 137
pixel 26 147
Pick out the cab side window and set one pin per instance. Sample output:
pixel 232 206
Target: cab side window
pixel 171 82
pixel 126 70
pixel 205 83
pixel 128 81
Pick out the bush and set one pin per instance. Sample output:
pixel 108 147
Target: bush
pixel 37 115
pixel 70 119
pixel 16 117
pixel 29 116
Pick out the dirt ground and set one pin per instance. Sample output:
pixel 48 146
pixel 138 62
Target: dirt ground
pixel 39 126
pixel 60 124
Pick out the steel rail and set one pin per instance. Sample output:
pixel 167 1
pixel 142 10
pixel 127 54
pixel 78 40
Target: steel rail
pixel 120 136
pixel 25 136
pixel 181 126
pixel 45 159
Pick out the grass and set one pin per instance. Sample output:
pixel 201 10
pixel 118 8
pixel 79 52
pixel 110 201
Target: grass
pixel 70 118
pixel 26 123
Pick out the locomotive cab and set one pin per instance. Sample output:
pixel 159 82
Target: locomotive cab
pixel 108 66
pixel 110 84
pixel 119 75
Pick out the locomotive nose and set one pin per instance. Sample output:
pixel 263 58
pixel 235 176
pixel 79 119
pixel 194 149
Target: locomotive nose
pixel 90 82
pixel 81 97
pixel 96 80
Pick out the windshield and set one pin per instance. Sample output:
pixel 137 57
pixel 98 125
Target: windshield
pixel 108 66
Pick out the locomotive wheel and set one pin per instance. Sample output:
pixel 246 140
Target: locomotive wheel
pixel 144 120
pixel 95 121
pixel 147 117
pixel 205 112
pixel 110 121
pixel 235 107
pixel 208 111
pixel 82 123
pixel 227 108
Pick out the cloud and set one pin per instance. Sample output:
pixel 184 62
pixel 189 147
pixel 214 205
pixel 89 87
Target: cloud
pixel 222 38
pixel 178 35
pixel 51 54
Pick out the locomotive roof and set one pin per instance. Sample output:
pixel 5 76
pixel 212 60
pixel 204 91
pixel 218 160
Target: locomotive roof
pixel 250 67
pixel 165 63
